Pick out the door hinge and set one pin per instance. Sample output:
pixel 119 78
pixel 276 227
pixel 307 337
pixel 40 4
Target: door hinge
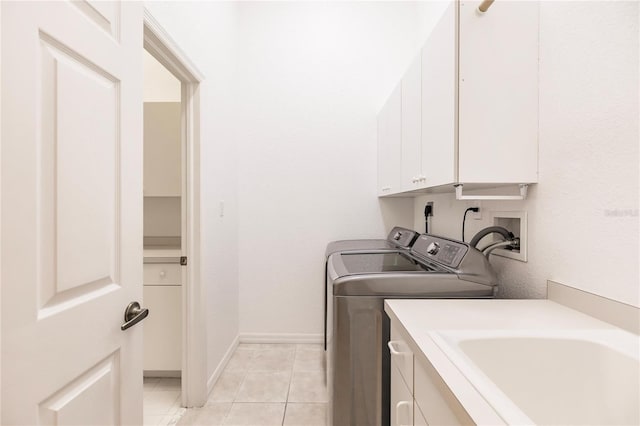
pixel 183 260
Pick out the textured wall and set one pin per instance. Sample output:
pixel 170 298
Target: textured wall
pixel 583 214
pixel 159 84
pixel 313 77
pixel 206 31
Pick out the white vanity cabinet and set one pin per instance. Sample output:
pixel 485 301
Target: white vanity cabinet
pixel 470 100
pixel 418 418
pixel 402 404
pixel 162 295
pixel 433 398
pixel 418 395
pixel 389 144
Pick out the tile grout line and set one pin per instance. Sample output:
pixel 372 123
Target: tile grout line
pixel 244 377
pixel 286 402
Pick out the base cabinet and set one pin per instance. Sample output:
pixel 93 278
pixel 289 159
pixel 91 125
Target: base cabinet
pixel 401 380
pixel 163 330
pixel 418 417
pixel 419 396
pixel 437 404
pixel 401 400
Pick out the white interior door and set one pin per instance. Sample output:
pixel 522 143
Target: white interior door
pixel 71 212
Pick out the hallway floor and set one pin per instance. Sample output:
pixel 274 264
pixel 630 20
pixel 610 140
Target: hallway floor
pixel 161 403
pixel 267 385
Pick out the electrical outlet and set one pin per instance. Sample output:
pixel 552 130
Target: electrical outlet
pixel 475 215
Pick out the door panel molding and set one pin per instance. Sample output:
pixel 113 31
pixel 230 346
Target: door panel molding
pixel 82 136
pixel 69 404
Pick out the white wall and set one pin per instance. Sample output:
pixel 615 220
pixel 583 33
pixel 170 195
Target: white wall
pixel 309 79
pixel 161 216
pixel 206 32
pixel 583 214
pixel 313 76
pixel 159 84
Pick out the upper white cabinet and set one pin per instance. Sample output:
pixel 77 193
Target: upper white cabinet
pixel 412 175
pixel 439 101
pixel 498 92
pixel 389 144
pixel 470 100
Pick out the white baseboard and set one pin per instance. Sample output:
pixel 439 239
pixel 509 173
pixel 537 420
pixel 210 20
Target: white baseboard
pixel 221 366
pixel 162 373
pixel 280 338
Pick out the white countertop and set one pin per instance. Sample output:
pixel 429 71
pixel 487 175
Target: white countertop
pixel 158 252
pixel 421 317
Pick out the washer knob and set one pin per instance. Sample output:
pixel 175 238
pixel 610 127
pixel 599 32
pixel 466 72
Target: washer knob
pixel 433 248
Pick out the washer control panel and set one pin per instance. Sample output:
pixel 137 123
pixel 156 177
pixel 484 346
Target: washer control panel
pixel 402 237
pixel 433 248
pixel 440 250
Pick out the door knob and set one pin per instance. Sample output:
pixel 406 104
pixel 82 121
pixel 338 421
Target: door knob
pixel 133 315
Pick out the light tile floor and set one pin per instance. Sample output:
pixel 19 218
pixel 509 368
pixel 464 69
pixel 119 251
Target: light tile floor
pixel 161 403
pixel 267 385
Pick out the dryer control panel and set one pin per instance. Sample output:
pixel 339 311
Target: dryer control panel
pixel 440 250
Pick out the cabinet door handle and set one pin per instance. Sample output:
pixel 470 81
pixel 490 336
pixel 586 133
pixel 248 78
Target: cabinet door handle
pixel 399 406
pixel 393 350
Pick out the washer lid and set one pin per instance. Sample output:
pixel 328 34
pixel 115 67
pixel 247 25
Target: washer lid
pixel 359 246
pixel 375 263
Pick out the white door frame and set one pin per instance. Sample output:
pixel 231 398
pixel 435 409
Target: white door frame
pixel 194 348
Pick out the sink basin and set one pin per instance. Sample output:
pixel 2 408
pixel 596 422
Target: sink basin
pixel 559 377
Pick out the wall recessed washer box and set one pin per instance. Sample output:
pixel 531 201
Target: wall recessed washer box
pixel 516 222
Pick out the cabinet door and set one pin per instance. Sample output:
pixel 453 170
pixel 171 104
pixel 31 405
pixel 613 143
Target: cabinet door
pixel 498 92
pixel 162 153
pixel 418 417
pixel 439 101
pixel 389 131
pixel 401 400
pixel 434 398
pixel 162 329
pixel 401 355
pixel 412 126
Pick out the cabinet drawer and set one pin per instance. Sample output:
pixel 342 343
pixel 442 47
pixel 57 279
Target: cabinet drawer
pixel 162 274
pixel 401 356
pixel 434 399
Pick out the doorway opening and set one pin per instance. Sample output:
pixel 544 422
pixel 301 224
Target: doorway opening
pixel 175 335
pixel 162 239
